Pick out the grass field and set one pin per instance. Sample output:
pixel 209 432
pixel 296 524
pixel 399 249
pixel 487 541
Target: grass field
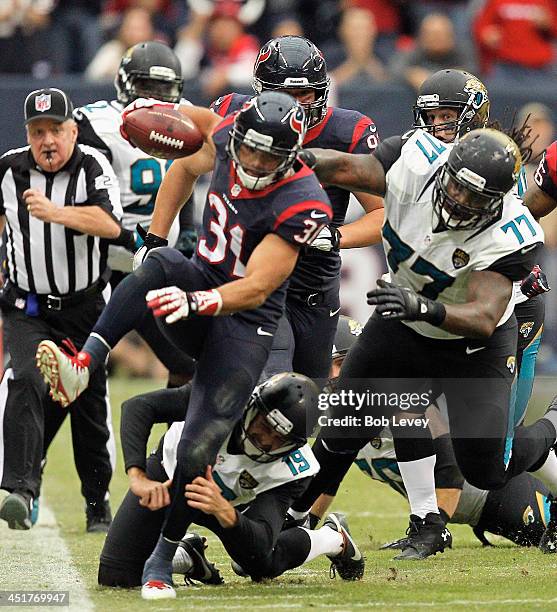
pixel 467 577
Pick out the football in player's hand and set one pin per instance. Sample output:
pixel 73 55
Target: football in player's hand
pixel 162 132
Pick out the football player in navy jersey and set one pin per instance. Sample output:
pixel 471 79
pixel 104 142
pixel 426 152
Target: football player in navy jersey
pixel 263 205
pixel 261 467
pixel 304 338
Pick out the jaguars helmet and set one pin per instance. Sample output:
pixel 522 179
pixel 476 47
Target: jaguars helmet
pixel 469 189
pixel 274 124
pixel 149 70
pixel 294 62
pixel 457 89
pixel 347 333
pixel 288 402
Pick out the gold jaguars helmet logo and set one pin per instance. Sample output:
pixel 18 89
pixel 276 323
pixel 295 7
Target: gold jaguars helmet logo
pixel 356 328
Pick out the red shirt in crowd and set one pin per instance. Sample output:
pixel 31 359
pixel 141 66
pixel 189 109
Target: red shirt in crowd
pixel 517 31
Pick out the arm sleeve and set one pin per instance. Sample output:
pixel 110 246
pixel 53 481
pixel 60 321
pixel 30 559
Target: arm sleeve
pixel 517 265
pixel 140 413
pixel 300 223
pixel 260 525
pixel 221 105
pixel 102 184
pixel 365 137
pixel 546 174
pixel 388 151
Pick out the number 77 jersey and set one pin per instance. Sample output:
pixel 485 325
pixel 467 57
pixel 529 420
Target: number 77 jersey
pixel 438 264
pixel 236 219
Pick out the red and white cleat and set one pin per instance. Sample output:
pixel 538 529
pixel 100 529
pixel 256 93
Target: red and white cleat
pixel 157 589
pixel 66 372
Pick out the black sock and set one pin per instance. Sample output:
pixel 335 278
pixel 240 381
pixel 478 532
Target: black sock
pixel 333 469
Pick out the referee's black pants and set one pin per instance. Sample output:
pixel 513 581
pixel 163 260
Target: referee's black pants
pixel 31 419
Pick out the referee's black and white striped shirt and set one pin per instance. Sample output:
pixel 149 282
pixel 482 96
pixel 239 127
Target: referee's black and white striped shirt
pixel 48 258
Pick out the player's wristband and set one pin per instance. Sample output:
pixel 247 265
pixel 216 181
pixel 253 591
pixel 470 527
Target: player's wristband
pixel 152 241
pixel 434 313
pixel 205 303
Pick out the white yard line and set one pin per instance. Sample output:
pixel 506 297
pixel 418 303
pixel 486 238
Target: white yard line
pixel 39 559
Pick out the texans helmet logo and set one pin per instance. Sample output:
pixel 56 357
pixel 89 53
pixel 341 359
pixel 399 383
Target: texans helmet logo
pixel 297 120
pixel 263 56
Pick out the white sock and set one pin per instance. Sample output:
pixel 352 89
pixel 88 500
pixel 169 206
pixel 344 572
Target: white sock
pixel 181 563
pixel 296 515
pixel 419 481
pixel 324 541
pixel 548 473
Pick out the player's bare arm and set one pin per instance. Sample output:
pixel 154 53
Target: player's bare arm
pixel 92 220
pixel 270 264
pixel 538 202
pixel 352 172
pixel 178 183
pixel 366 230
pixel 488 296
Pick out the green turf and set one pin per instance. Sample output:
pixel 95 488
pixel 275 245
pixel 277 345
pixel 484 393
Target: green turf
pixel 468 577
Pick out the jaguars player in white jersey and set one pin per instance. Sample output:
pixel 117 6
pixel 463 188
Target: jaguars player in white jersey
pixel 520 511
pixel 455 238
pixel 261 467
pixel 151 70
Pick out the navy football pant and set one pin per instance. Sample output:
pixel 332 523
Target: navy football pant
pixel 304 339
pixel 230 357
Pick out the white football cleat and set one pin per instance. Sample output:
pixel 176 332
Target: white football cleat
pixel 66 373
pixel 157 589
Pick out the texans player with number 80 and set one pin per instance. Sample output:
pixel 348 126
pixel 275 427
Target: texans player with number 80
pixel 263 205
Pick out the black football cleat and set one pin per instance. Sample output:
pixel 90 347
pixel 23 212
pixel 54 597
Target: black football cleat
pixel 426 537
pixel 548 543
pixel 200 570
pixel 399 544
pixel 16 510
pixel 98 517
pixel 349 563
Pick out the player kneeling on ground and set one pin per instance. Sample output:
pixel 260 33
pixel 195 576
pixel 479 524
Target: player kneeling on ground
pixel 263 465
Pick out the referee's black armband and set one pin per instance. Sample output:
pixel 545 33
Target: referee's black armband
pixel 126 239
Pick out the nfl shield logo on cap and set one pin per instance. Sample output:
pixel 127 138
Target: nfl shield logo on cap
pixel 43 103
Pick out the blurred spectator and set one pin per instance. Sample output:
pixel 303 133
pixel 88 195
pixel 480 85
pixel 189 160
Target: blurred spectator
pixel 136 27
pixel 516 40
pixel 357 34
pixel 387 22
pixel 167 16
pixel 287 27
pixel 76 30
pixel 456 10
pixel 436 48
pixel 228 55
pixel 26 44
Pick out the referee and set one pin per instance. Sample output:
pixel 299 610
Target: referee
pixel 57 200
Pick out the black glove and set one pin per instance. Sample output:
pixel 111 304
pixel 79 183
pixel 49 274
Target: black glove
pixel 535 283
pixel 308 158
pixel 187 241
pixel 404 304
pixel 328 239
pixel 150 241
